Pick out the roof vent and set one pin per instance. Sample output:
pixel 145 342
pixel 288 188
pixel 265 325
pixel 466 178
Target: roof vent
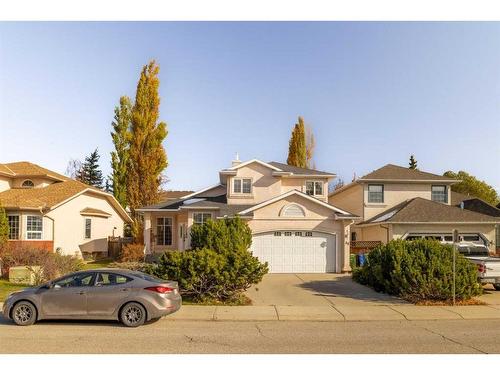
pixel 236 160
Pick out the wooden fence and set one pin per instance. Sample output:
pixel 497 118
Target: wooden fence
pixel 115 245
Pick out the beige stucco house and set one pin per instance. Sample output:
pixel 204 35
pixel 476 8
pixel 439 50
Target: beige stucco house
pixel 397 202
pixel 50 211
pixel 294 227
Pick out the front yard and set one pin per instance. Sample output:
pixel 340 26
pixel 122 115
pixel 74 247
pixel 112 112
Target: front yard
pixel 7 287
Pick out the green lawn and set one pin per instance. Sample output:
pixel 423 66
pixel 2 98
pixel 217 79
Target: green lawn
pixel 7 287
pixel 101 263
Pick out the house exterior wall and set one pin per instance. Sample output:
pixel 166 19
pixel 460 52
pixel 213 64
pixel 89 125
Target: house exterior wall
pixel 69 228
pixel 5 183
pixel 395 193
pixel 266 186
pixel 317 218
pixel 37 181
pixel 350 199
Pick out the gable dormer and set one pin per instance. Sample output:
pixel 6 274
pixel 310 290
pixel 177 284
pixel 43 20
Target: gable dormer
pixel 255 181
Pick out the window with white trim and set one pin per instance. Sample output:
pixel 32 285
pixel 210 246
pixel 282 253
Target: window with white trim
pixel 164 231
pixel 34 227
pixel 314 188
pixel 200 218
pixel 88 228
pixel 375 193
pixel 439 193
pixel 28 184
pixel 13 227
pixel 242 185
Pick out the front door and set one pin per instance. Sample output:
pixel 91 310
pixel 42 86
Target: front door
pixel 107 294
pixel 67 296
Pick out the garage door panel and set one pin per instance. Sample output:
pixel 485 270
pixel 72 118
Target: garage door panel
pixel 296 253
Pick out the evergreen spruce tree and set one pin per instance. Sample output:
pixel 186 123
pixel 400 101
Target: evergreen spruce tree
pixel 90 173
pixel 120 156
pixel 147 157
pixel 297 154
pixel 413 162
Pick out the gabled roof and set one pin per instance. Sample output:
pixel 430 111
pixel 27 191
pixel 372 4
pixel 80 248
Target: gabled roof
pixel 391 172
pixel 174 194
pixel 242 164
pixel 300 194
pixel 28 169
pixel 89 211
pixel 300 171
pixel 420 210
pixel 51 196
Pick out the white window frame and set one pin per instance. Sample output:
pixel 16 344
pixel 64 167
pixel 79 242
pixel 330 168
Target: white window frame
pixel 242 182
pixel 203 219
pixel 28 232
pixel 315 185
pixel 440 194
pixel 165 226
pixel 382 192
pixel 85 228
pixel 18 226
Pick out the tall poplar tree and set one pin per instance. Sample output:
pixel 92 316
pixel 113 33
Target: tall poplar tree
pixel 297 155
pixel 121 137
pixel 147 157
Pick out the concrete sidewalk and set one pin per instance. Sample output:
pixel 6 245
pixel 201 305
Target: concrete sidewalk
pixel 335 313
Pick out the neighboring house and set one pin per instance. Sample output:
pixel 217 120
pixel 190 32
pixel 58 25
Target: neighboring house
pixel 397 202
pixel 294 227
pixel 50 211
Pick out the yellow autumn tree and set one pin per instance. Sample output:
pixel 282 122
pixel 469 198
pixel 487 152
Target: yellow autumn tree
pixel 147 157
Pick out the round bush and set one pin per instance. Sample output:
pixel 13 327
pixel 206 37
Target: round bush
pixel 419 270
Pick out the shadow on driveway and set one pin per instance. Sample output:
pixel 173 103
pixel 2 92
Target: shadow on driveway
pixel 342 289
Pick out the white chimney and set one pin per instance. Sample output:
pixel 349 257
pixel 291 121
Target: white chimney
pixel 236 160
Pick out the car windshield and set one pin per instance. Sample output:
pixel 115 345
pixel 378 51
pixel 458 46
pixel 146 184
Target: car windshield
pixel 147 277
pixel 473 250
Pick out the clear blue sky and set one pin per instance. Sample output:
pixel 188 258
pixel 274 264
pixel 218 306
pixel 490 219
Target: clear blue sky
pixel 373 93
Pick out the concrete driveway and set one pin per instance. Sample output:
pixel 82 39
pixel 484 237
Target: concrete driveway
pixel 315 290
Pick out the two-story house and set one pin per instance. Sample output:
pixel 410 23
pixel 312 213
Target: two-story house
pixel 397 202
pixel 49 211
pixel 294 227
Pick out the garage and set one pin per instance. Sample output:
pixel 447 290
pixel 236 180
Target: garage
pixel 288 251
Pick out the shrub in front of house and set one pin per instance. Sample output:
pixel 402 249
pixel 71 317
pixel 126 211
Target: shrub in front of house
pixel 418 270
pixel 44 264
pixel 133 266
pixel 219 267
pixel 132 252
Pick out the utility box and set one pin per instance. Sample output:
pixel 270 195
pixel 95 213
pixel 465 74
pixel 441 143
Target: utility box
pixel 23 274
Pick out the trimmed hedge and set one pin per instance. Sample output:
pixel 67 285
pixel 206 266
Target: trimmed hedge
pixel 418 270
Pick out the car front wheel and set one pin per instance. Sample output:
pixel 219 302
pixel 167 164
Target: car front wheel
pixel 24 313
pixel 496 286
pixel 133 314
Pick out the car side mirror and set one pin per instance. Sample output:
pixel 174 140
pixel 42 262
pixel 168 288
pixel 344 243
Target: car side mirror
pixel 55 286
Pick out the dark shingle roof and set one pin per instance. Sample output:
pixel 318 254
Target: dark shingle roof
pixel 420 210
pixel 298 170
pixel 395 172
pixel 174 194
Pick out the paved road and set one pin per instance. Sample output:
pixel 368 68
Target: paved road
pixel 168 336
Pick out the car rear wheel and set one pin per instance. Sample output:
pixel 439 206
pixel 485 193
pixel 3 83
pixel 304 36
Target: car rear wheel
pixel 24 313
pixel 496 286
pixel 133 314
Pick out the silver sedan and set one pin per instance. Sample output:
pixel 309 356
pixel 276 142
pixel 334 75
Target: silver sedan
pixel 131 297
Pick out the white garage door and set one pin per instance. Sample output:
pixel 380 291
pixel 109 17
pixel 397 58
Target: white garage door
pixel 294 251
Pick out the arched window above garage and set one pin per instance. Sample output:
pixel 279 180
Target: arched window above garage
pixel 293 210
